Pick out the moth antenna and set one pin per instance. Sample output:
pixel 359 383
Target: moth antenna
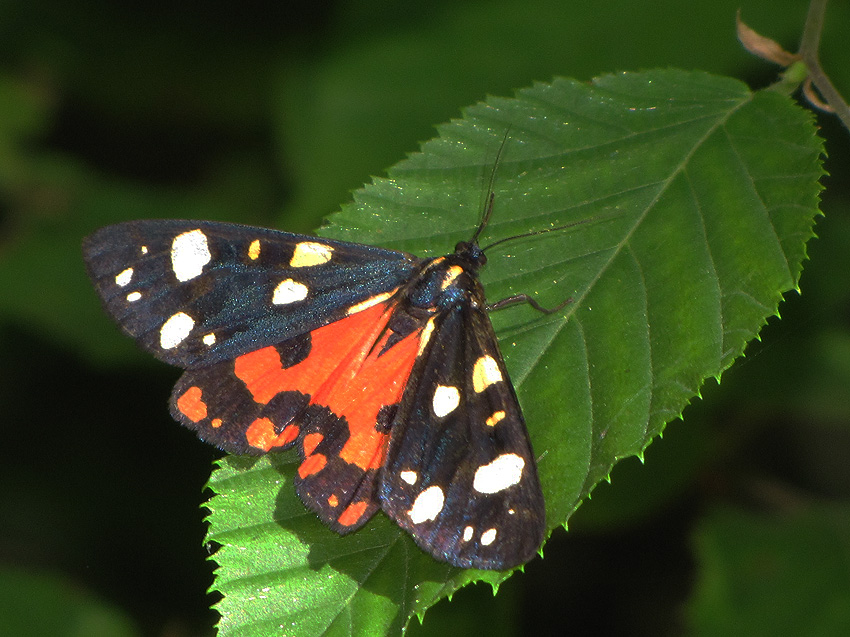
pixel 534 233
pixel 491 195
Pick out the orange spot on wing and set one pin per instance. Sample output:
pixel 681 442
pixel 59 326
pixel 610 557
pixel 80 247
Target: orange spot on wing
pixel 311 441
pixel 289 433
pixel 333 500
pixel 191 405
pixel 261 434
pixel 216 423
pixel 312 464
pixel 353 512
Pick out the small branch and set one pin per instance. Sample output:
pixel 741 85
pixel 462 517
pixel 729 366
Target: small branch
pixel 813 27
pixel 801 68
pixel 809 52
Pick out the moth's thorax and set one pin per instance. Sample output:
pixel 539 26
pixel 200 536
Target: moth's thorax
pixel 445 282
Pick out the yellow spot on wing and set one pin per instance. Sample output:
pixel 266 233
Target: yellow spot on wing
pixel 485 373
pixel 310 253
pixel 426 335
pixel 495 418
pixel 372 300
pixel 451 274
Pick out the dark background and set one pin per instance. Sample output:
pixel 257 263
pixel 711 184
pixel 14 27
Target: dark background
pixel 270 113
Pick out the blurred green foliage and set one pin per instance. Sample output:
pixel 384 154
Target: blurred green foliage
pixel 270 113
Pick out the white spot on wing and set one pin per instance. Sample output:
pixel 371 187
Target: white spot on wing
pixel 124 277
pixel 289 291
pixel 310 253
pixel 488 537
pixel 189 254
pixel 175 330
pixel 209 339
pixel 485 373
pixel 446 399
pixel 467 533
pixel 427 505
pixel 134 296
pixel 410 477
pixel 505 471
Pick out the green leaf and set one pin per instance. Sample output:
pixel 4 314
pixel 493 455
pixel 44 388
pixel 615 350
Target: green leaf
pixel 696 196
pixel 784 574
pixel 51 604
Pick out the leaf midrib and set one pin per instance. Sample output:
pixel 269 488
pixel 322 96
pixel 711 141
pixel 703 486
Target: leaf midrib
pixel 535 360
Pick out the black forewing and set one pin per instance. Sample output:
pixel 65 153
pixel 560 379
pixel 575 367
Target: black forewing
pixel 232 296
pixel 447 451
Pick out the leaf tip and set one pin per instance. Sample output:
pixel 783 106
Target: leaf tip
pixel 762 46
